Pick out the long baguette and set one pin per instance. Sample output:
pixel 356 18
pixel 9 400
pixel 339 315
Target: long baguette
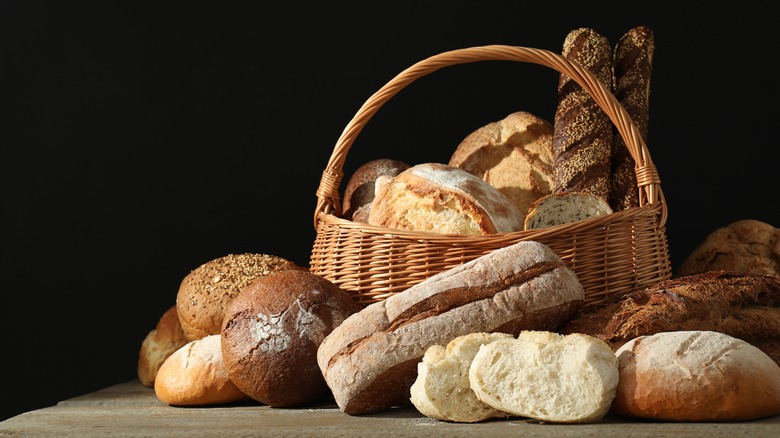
pixel 370 360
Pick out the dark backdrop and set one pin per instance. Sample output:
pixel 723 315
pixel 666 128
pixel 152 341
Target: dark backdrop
pixel 139 142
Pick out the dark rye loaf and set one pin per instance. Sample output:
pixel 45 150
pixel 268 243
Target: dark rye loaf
pixel 745 306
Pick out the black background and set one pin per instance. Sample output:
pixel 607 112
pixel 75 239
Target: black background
pixel 139 142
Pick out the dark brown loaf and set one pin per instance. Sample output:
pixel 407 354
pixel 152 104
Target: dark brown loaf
pixel 271 333
pixel 370 361
pixel 208 289
pixel 583 132
pixel 633 66
pixel 745 306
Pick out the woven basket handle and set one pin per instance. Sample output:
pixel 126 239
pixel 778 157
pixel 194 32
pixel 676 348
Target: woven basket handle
pixel 648 180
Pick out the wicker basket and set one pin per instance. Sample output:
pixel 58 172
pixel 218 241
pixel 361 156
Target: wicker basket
pixel 610 254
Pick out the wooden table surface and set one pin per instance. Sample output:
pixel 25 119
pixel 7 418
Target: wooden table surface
pixel 132 410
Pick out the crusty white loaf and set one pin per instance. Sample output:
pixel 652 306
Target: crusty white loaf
pixel 513 154
pixel 696 376
pixel 370 360
pixel 442 389
pixel 195 375
pixel 565 208
pixel 438 198
pixel 547 376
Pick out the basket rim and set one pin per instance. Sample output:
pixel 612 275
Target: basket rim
pixel 648 180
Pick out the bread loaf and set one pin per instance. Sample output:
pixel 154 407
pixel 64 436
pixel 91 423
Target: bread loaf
pixel 442 389
pixel 696 376
pixel 745 306
pixel 583 133
pixel 513 155
pixel 359 192
pixel 207 290
pixel 195 375
pixel 565 208
pixel 370 360
pixel 271 333
pixel 748 246
pixel 159 343
pixel 438 198
pixel 633 60
pixel 547 376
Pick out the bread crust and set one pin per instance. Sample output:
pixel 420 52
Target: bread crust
pixel 208 289
pixel 271 333
pixel 439 198
pixel 359 192
pixel 514 155
pixel 564 208
pixel 370 361
pixel 158 345
pixel 583 133
pixel 696 376
pixel 745 306
pixel 633 59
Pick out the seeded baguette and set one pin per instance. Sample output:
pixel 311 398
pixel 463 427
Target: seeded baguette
pixel 370 360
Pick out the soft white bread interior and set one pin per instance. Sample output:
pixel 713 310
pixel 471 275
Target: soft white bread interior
pixel 696 376
pixel 195 375
pixel 547 376
pixel 442 388
pixel 565 208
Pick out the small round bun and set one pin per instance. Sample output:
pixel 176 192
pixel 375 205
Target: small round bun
pixel 359 193
pixel 160 343
pixel 206 291
pixel 272 331
pixel 695 376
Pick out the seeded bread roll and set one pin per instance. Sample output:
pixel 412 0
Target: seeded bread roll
pixel 633 66
pixel 271 333
pixel 159 343
pixel 513 155
pixel 194 375
pixel 565 208
pixel 696 376
pixel 547 376
pixel 370 360
pixel 439 198
pixel 583 133
pixel 359 193
pixel 748 245
pixel 207 290
pixel 746 306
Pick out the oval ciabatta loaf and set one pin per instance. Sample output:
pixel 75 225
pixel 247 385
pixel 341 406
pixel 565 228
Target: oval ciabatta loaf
pixel 442 389
pixel 513 155
pixel 370 360
pixel 565 208
pixel 696 376
pixel 547 376
pixel 438 198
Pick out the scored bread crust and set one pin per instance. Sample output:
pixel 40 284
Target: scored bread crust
pixel 583 132
pixel 513 155
pixel 746 306
pixel 696 376
pixel 370 360
pixel 439 198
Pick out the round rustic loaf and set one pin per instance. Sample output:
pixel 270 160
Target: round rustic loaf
pixel 513 155
pixel 207 290
pixel 359 193
pixel 271 333
pixel 439 198
pixel 159 343
pixel 695 376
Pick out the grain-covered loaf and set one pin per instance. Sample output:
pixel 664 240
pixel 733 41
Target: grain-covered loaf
pixel 439 198
pixel 370 360
pixel 746 306
pixel 696 376
pixel 513 154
